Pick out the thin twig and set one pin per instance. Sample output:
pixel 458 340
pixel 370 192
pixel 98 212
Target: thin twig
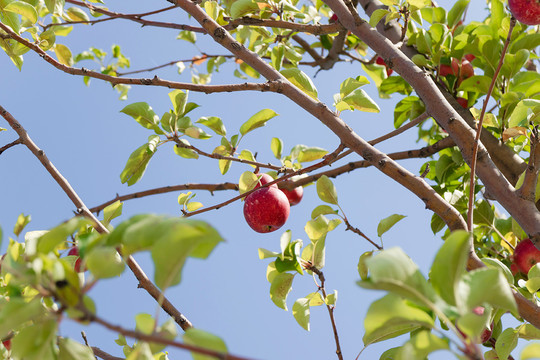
pixel 170 63
pixel 279 169
pixel 480 125
pixel 160 340
pixel 359 232
pixel 144 281
pixel 83 334
pixel 393 133
pixel 11 144
pixel 330 308
pixel 104 355
pixel 166 189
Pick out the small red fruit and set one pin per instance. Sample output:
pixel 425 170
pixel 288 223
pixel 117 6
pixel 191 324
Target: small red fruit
pixel 333 19
pixel 467 69
pixel 469 57
pixel 264 179
pixel 74 251
pixel 514 269
pixel 7 344
pixel 266 209
pixel 465 72
pixel 380 61
pixel 526 11
pixel 463 102
pixel 526 255
pixel 295 195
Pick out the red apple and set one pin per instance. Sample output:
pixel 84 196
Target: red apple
pixel 333 19
pixel 463 102
pixel 380 61
pixel 526 11
pixel 264 179
pixel 74 251
pixel 466 70
pixel 526 255
pixel 295 195
pixel 266 209
pixel 7 344
pixel 469 57
pixel 514 269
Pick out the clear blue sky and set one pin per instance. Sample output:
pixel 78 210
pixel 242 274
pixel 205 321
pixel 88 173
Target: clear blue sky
pixel 84 134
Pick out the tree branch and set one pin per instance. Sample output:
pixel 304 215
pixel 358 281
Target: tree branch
pixel 528 190
pixel 318 29
pixel 144 281
pixel 415 184
pixel 166 189
pixel 104 355
pixel 10 145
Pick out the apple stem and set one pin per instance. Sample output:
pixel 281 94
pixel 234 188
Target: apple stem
pixel 480 123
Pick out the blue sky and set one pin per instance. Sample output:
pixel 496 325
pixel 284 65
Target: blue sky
pixel 84 134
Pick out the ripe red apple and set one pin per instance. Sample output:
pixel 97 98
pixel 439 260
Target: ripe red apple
pixel 465 72
pixel 295 195
pixel 526 11
pixel 7 344
pixel 74 251
pixel 266 209
pixel 514 269
pixel 526 255
pixel 264 179
pixel 469 57
pixel 380 61
pixel 463 102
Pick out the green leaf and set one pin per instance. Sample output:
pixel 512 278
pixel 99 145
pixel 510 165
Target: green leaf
pixel 300 312
pixel 214 123
pixel 63 54
pixel 265 254
pixel 485 286
pixel 55 6
pixel 449 265
pixel 35 342
pixel 394 271
pixel 422 343
pixel 529 332
pixel 76 14
pixel 300 80
pixel 24 9
pixel 21 223
pixel 331 299
pixel 280 288
pixel 16 312
pixel 57 235
pixel 377 16
pixel 523 111
pixel 104 262
pixel 180 238
pixel 350 84
pixel 70 349
pixel 360 100
pixel 144 115
pixel 112 211
pixel 456 12
pixel 137 163
pixel 243 7
pixel 204 340
pixel 362 266
pixel 387 223
pixel 391 316
pixel 409 108
pixel 277 55
pixel 185 152
pixel 326 190
pixel 308 154
pixel 497 264
pixel 277 146
pixel 258 120
pixel 187 36
pixel 323 210
pixel 224 166
pixel 506 342
pixel 247 181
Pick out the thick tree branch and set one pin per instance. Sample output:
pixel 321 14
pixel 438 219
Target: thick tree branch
pixel 318 29
pixel 509 163
pixel 528 190
pixel 144 281
pixel 415 184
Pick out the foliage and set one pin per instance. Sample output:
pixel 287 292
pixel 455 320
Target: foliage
pixel 470 287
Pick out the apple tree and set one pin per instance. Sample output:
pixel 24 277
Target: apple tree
pixel 468 90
